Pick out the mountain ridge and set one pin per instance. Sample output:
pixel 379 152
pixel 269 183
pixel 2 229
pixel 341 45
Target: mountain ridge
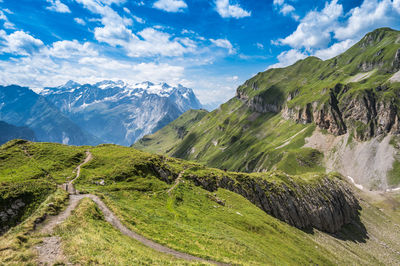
pixel 119 112
pixel 23 107
pixel 269 121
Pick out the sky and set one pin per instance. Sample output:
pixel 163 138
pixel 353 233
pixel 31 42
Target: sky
pixel 212 46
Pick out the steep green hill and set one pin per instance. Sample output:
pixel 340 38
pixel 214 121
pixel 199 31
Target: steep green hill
pixel 166 138
pixel 266 126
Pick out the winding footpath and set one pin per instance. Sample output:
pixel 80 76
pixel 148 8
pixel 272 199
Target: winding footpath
pixel 50 250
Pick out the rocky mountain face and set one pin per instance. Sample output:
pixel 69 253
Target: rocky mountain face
pixel 354 97
pixel 22 107
pixel 326 205
pixel 120 113
pixel 10 132
pixel 365 101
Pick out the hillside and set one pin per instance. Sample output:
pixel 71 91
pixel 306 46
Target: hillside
pixel 313 116
pixel 10 132
pixel 118 112
pixel 174 202
pixel 166 138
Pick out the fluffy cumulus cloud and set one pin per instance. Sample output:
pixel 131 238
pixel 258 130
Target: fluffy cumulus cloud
pixel 68 49
pixel 285 8
pixel 116 31
pixel 224 43
pixel 335 49
pixel 228 10
pixel 58 6
pixel 370 15
pixel 19 43
pixel 287 58
pixel 314 30
pixel 171 5
pixel 330 31
pixel 71 60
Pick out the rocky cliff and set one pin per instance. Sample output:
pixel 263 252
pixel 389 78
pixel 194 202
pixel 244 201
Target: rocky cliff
pixel 326 205
pixel 353 91
pixel 323 202
pixel 367 114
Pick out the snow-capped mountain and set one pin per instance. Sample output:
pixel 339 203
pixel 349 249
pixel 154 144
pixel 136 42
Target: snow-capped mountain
pixel 118 112
pixel 21 107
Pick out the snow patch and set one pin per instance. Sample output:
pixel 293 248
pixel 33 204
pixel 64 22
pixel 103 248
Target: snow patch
pixel 354 183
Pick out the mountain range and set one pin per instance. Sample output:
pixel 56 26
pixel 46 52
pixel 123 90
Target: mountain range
pixel 105 112
pixel 301 167
pixel 341 115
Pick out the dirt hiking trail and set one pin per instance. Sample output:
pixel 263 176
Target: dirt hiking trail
pixel 50 250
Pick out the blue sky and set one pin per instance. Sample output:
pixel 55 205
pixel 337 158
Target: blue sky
pixel 210 45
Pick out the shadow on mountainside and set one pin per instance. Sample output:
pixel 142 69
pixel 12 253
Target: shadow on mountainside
pixel 354 231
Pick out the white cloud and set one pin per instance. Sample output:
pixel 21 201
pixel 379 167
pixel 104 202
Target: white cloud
pixel 330 32
pixel 171 5
pixel 71 60
pixel 396 5
pixel 227 10
pixel 157 43
pixel 68 49
pixel 147 43
pixel 126 10
pixel 139 20
pixel 370 15
pixel 7 24
pixel 260 45
pixel 314 30
pixel 287 9
pixel 19 43
pixel 80 21
pixel 287 58
pixel 224 43
pixel 335 49
pixel 57 6
pixel 279 2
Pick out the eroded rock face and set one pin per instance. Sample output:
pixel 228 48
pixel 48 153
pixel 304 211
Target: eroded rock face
pixel 367 114
pixel 326 205
pixel 9 214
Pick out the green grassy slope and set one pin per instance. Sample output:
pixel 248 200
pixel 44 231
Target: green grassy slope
pixel 166 138
pixel 219 225
pixel 29 173
pixel 265 126
pixel 236 138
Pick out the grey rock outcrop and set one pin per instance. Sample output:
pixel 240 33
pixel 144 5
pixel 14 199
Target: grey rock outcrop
pixel 9 214
pixel 326 205
pixel 368 114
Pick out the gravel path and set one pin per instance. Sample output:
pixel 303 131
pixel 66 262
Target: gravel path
pixel 50 250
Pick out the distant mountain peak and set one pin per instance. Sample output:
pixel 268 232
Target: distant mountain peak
pixel 121 112
pixel 70 84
